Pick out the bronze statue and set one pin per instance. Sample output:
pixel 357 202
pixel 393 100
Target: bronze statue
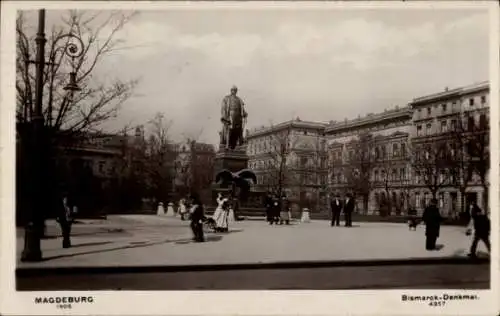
pixel 233 118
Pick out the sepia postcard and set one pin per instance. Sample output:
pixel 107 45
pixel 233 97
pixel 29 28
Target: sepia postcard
pixel 249 158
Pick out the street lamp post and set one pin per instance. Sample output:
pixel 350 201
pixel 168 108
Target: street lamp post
pixel 38 144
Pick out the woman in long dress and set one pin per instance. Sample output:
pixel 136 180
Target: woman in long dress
pixel 221 214
pixel 183 209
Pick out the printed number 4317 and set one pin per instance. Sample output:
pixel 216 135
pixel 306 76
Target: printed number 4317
pixel 441 303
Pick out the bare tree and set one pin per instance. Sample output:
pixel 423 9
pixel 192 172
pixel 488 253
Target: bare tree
pixel 320 170
pixel 469 147
pixel 278 165
pixel 160 158
pixel 432 164
pixel 96 101
pixel 358 167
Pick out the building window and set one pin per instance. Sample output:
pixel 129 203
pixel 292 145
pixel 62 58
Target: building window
pixel 470 123
pixel 444 127
pixel 394 174
pixel 483 122
pixel 453 125
pixel 441 200
pixel 428 129
pixel 402 173
pixel 443 107
pixel 101 166
pixel 417 200
pixel 419 130
pixel 429 111
pixel 483 99
pixel 403 149
pixel 376 175
pixel 427 198
pixel 417 176
pixel 471 101
pixel 395 150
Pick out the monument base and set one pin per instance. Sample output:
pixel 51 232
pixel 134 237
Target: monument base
pixel 232 160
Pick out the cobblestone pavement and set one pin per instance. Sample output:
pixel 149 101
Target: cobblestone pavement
pixel 148 240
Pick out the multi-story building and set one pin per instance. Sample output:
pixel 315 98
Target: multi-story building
pixel 385 159
pixel 368 156
pixel 290 157
pixel 459 119
pixel 194 165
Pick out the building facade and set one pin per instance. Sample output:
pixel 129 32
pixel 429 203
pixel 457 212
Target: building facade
pixel 290 158
pixel 368 157
pixel 385 158
pixel 458 118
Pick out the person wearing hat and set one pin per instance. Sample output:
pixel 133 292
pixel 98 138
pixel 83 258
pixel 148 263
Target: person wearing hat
pixel 336 206
pixel 284 208
pixel 432 220
pixel 348 209
pixel 482 226
pixel 197 217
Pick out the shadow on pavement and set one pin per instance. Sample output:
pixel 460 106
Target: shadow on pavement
pixel 91 244
pixel 209 238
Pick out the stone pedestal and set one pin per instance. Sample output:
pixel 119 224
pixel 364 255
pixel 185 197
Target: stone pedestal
pixel 232 160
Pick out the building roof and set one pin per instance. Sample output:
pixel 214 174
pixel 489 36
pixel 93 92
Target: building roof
pixel 447 93
pixel 294 124
pixel 403 113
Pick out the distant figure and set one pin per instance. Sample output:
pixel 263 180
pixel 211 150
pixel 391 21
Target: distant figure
pixel 269 208
pixel 65 219
pixel 348 209
pixel 482 228
pixel 170 209
pixel 336 206
pixel 183 209
pixel 432 220
pixel 231 214
pixel 284 211
pixel 197 216
pixel 221 214
pixel 305 216
pixel 161 210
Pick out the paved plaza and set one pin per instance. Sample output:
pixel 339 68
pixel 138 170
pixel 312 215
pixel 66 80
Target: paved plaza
pixel 148 240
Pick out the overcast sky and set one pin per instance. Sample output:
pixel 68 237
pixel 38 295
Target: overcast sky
pixel 318 65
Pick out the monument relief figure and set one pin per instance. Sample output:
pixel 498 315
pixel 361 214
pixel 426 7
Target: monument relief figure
pixel 233 118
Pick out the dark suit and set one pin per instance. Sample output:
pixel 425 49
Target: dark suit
pixel 65 220
pixel 197 222
pixel 482 227
pixel 348 209
pixel 336 206
pixel 432 220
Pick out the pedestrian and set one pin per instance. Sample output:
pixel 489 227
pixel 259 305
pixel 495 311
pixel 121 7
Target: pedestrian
pixel 221 214
pixel 65 218
pixel 348 209
pixel 268 203
pixel 432 220
pixel 482 227
pixel 284 211
pixel 183 209
pixel 197 217
pixel 336 207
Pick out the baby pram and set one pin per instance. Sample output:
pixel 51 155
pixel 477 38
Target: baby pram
pixel 209 224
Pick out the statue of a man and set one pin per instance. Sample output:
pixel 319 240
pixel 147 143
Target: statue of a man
pixel 233 118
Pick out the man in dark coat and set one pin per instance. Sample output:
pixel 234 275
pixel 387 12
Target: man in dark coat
pixel 348 209
pixel 269 208
pixel 336 206
pixel 65 218
pixel 197 217
pixel 482 227
pixel 432 220
pixel 276 208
